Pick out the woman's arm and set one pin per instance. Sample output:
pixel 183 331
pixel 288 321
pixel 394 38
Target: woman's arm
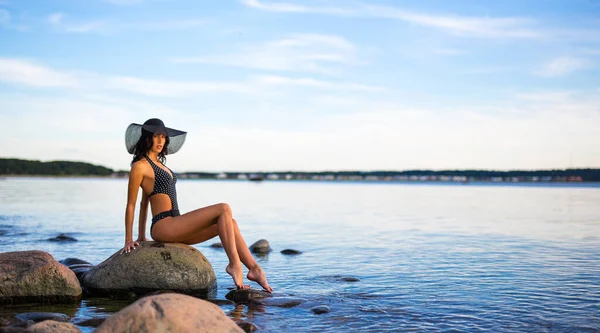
pixel 135 180
pixel 142 218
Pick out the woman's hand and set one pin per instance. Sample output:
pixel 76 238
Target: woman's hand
pixel 129 245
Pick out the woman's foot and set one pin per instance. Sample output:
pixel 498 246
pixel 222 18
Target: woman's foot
pixel 257 275
pixel 238 275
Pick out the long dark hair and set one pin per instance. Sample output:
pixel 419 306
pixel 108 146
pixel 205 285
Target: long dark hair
pixel 145 143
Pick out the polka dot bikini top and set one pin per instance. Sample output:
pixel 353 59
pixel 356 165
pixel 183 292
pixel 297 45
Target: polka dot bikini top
pixel 163 183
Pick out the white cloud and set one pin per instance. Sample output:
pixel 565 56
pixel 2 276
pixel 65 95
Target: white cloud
pixel 173 88
pixel 313 83
pixel 506 27
pixel 300 52
pixel 562 66
pixel 110 27
pixel 56 18
pixel 30 74
pixel 294 8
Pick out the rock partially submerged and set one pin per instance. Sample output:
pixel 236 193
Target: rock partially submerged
pixel 41 316
pixel 217 245
pixel 34 276
pixel 290 252
pixel 169 313
pixel 261 247
pixel 62 238
pixel 78 266
pixel 247 295
pixel 153 267
pixel 320 309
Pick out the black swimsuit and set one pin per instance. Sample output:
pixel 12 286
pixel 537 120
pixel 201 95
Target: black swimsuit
pixel 164 184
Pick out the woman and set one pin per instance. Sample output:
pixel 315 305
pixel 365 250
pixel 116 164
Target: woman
pixel 150 143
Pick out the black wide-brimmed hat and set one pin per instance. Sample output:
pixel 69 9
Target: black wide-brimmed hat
pixel 155 126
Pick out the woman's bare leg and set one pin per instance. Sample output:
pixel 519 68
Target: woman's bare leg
pixel 255 273
pixel 178 229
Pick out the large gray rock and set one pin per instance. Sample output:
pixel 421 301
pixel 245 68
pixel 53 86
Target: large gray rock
pixel 152 267
pixel 169 313
pixel 34 276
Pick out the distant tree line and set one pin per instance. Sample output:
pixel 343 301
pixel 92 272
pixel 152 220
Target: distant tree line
pixel 12 166
pixel 587 175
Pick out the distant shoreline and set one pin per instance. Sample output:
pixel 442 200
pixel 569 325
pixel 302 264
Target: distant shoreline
pixel 407 182
pixel 10 167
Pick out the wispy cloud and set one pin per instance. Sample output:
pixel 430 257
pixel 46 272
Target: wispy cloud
pixel 65 24
pixel 300 52
pixel 31 74
pixel 314 83
pixel 562 66
pixel 56 18
pixel 27 73
pixel 173 88
pixel 505 27
pixel 295 8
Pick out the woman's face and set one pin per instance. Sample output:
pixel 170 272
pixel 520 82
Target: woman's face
pixel 158 142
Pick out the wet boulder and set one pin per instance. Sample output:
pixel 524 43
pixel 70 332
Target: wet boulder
pixel 169 313
pixel 34 276
pixel 152 267
pixel 247 295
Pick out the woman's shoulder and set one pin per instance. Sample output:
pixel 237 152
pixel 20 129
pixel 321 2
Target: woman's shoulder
pixel 139 165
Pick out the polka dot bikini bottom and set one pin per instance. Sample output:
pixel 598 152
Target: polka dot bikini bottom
pixel 160 216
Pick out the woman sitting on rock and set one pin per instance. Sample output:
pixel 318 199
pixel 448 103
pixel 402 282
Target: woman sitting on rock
pixel 150 143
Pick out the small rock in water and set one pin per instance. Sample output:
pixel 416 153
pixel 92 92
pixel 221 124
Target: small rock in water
pixel 282 302
pixel 290 252
pixel 62 238
pixel 246 295
pixel 74 261
pixel 41 316
pixel 338 278
pixel 217 245
pixel 320 309
pixel 350 279
pixel 246 326
pixel 261 247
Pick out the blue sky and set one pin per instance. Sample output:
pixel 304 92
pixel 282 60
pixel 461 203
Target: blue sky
pixel 305 85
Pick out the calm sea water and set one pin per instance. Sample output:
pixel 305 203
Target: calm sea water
pixel 430 257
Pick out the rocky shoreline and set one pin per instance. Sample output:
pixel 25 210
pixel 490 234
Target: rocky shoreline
pixel 157 277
